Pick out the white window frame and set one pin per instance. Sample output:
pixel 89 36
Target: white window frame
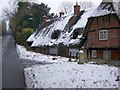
pixel 54 50
pixel 73 51
pixel 94 53
pixel 103 34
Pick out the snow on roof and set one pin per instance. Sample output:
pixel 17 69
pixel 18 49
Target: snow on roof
pixel 31 38
pixel 103 9
pixel 82 22
pixel 44 36
pixel 116 4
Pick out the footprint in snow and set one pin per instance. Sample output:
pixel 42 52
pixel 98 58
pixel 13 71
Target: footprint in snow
pixel 36 82
pixel 114 85
pixel 73 81
pixel 95 82
pixel 29 77
pixel 83 80
pixel 34 76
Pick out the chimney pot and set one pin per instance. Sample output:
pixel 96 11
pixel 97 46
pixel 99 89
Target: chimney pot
pixel 61 13
pixel 45 18
pixel 76 9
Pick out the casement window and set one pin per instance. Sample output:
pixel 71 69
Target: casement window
pixel 73 52
pixel 54 50
pixel 103 34
pixel 94 55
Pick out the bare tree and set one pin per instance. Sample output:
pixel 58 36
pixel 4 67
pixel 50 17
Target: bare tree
pixel 9 10
pixel 66 7
pixel 85 5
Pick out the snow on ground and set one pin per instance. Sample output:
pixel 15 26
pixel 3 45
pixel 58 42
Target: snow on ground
pixel 71 75
pixel 63 74
pixel 29 55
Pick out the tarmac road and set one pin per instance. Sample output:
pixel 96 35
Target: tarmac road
pixel 12 73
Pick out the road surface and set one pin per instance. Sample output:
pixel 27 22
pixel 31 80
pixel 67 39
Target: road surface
pixel 12 73
pixel 0 62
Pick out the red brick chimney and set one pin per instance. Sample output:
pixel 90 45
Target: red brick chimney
pixel 76 9
pixel 45 18
pixel 61 13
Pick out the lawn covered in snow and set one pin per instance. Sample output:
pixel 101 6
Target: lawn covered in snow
pixel 64 74
pixel 71 75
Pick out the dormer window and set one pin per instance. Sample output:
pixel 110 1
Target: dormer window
pixel 103 34
pixel 75 35
pixel 55 34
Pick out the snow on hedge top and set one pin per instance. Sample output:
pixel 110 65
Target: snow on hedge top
pixel 44 35
pixel 103 9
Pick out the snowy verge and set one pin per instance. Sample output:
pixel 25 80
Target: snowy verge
pixel 29 55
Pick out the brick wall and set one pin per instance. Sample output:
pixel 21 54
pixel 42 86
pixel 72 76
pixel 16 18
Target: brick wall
pixel 92 39
pixel 115 54
pixel 100 54
pixel 114 21
pixel 114 38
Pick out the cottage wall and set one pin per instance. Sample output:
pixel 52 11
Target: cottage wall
pixel 109 23
pixel 113 21
pixel 63 51
pixel 105 55
pixel 60 50
pixel 108 49
pixel 115 54
pixel 99 54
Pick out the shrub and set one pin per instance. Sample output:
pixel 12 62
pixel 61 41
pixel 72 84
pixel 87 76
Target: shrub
pixel 22 36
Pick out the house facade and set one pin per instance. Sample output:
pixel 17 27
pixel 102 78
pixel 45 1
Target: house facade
pixel 103 33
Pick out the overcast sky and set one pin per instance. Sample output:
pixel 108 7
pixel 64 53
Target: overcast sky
pixel 53 4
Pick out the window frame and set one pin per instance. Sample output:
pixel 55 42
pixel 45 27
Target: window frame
pixel 94 54
pixel 102 35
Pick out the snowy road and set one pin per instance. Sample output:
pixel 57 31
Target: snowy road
pixel 12 74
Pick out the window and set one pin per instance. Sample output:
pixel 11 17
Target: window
pixel 73 52
pixel 53 50
pixel 103 35
pixel 94 54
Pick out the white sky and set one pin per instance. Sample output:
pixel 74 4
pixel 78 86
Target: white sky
pixel 53 4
